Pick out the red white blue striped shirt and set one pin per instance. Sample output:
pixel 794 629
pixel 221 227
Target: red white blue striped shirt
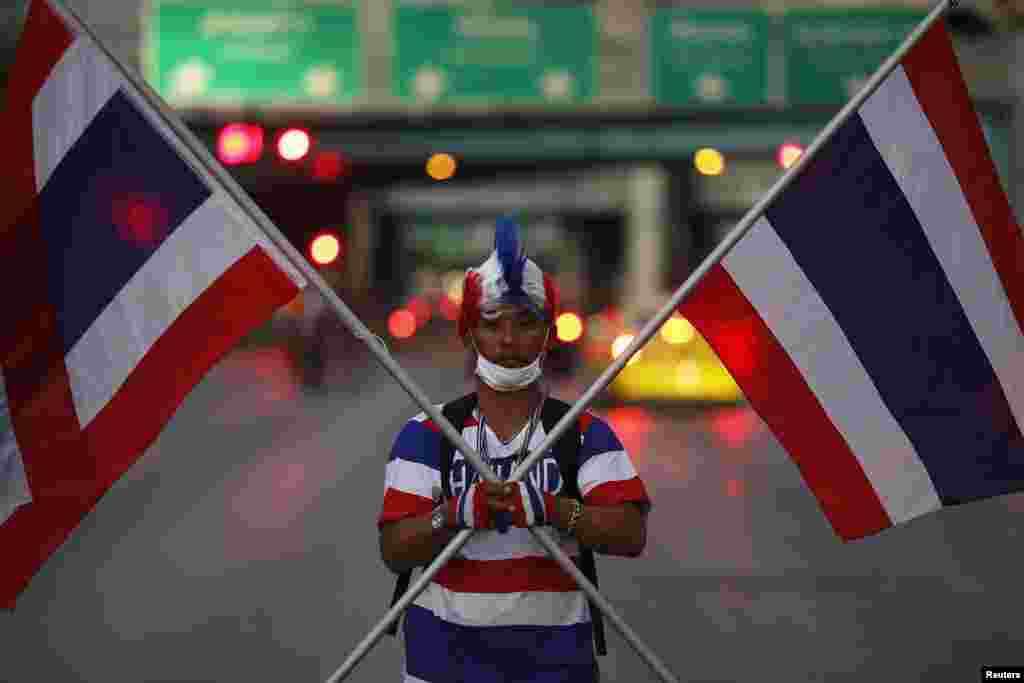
pixel 502 599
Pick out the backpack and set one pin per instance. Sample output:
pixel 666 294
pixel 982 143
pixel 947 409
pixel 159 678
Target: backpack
pixel 566 451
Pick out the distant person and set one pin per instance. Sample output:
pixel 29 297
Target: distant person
pixel 502 609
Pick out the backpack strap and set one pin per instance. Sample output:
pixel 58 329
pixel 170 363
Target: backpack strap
pixel 456 412
pixel 567 452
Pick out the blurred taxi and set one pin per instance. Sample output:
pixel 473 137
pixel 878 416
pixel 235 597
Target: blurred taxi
pixel 676 363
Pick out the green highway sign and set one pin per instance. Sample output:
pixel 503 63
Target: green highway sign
pixel 453 241
pixel 494 52
pixel 709 57
pixel 257 52
pixel 831 53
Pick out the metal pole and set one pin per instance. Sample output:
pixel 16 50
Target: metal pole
pixel 202 162
pixel 417 587
pixel 731 239
pixel 655 323
pixel 375 634
pixel 641 648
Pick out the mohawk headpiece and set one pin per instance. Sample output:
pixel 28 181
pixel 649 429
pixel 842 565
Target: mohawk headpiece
pixel 506 277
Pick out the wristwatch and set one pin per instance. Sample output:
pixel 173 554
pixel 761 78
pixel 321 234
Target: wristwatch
pixel 438 517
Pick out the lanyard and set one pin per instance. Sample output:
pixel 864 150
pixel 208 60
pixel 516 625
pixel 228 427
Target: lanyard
pixel 481 435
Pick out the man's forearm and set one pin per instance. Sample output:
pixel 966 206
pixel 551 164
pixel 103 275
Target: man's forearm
pixel 613 529
pixel 412 542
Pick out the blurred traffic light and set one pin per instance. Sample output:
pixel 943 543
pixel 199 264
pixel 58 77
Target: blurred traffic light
pixel 402 324
pixel 239 143
pixel 420 309
pixel 329 165
pixel 448 307
pixel 325 249
pixel 621 343
pixel 709 161
pixel 789 154
pixel 294 144
pixel 677 330
pixel 141 219
pixel 441 166
pixel 568 327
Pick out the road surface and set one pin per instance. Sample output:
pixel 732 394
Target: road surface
pixel 242 547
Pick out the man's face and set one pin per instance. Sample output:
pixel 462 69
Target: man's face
pixel 512 336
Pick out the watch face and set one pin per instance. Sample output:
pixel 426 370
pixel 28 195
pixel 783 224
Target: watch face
pixel 437 519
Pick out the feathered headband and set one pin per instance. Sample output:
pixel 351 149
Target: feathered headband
pixel 506 277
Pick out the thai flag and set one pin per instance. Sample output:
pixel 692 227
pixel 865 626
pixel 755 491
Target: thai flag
pixel 872 315
pixel 126 275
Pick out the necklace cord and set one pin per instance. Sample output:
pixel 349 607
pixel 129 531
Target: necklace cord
pixel 481 438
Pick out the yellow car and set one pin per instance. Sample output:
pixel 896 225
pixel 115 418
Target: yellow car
pixel 676 364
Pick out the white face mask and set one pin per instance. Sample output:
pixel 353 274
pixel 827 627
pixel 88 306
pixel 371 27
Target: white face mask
pixel 500 378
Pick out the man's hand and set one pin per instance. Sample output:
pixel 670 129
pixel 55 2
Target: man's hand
pixel 528 505
pixel 613 529
pixel 478 507
pixel 486 505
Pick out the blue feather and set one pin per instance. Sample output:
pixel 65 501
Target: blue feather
pixel 511 255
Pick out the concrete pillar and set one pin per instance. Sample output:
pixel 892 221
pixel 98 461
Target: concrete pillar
pixel 359 245
pixel 646 215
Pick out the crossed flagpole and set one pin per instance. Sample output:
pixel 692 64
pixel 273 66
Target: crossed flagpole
pixel 203 163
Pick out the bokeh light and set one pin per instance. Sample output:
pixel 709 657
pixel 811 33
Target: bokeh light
pixel 449 309
pixel 568 327
pixel 621 343
pixel 402 324
pixel 293 144
pixel 677 330
pixel 239 143
pixel 735 426
pixel 709 161
pixel 451 284
pixel 328 166
pixel 441 166
pixel 633 425
pixel 140 219
pixel 789 154
pixel 420 308
pixel 324 249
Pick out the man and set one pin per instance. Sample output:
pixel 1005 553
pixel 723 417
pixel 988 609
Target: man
pixel 502 609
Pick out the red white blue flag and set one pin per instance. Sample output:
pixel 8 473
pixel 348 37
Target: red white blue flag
pixel 873 314
pixel 126 274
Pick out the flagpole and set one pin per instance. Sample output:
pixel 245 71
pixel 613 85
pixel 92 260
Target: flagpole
pixel 189 147
pixel 424 578
pixel 203 163
pixel 734 236
pixel 653 326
